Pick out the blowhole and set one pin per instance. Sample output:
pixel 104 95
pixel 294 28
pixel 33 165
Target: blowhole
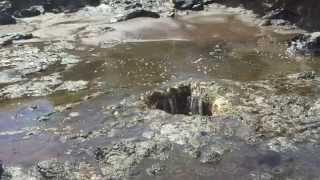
pixel 179 100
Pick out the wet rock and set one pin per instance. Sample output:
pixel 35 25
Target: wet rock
pixel 99 153
pixel 303 14
pixel 10 76
pixel 210 157
pixel 8 39
pixel 133 5
pixel 30 12
pixel 275 122
pixel 72 85
pixel 123 10
pixel 305 44
pixel 41 87
pixel 188 4
pixel 139 13
pixel 308 75
pixel 281 144
pixel 6 19
pixel 155 170
pixel 282 14
pixel 46 117
pixel 270 158
pixel 5 7
pixel 17 173
pixel 26 60
pixel 53 169
pixel 119 159
pixel 37 87
pixel 212 154
pixel 55 6
pixel 21 61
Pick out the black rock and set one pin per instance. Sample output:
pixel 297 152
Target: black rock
pixel 188 4
pixel 30 12
pixel 283 14
pixel 140 13
pixel 5 19
pixel 94 2
pixel 5 6
pixel 1 169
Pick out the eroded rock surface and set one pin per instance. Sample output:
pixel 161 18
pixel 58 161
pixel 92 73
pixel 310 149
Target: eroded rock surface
pixel 26 70
pixel 242 114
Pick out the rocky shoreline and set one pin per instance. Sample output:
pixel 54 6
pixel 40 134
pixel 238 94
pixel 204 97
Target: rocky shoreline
pixel 219 128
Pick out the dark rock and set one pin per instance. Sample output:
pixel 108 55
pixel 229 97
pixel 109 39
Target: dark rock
pixel 283 14
pixel 188 4
pixel 307 75
pixel 280 17
pixel 8 39
pixel 5 6
pixel 6 19
pixel 99 154
pixel 305 44
pixel 93 2
pixel 133 6
pixel 30 12
pixel 55 6
pixel 302 13
pixel 108 29
pixel 140 13
pixel 1 169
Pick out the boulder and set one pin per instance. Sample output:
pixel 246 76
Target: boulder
pixel 29 8
pixel 30 12
pixel 283 14
pixel 51 169
pixel 6 19
pixel 139 13
pixel 5 6
pixel 188 4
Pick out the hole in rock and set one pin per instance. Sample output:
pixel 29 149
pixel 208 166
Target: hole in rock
pixel 179 100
